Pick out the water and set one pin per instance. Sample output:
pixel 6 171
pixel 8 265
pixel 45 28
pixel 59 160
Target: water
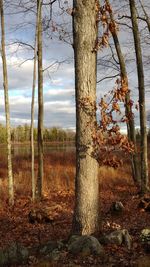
pixel 24 149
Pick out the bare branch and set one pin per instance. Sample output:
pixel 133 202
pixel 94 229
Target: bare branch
pixel 20 43
pixel 108 77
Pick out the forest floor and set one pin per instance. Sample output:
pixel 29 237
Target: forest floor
pixel 115 185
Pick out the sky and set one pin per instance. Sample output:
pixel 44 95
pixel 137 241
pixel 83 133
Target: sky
pixel 59 92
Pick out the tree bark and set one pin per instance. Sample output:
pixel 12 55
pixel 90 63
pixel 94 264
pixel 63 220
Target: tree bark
pixel 141 86
pixel 130 124
pixel 86 213
pixel 40 104
pixel 8 130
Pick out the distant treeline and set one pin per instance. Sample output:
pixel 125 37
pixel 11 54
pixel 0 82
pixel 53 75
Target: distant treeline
pixel 21 133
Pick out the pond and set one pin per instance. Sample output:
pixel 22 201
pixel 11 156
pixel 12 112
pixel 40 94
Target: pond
pixel 24 149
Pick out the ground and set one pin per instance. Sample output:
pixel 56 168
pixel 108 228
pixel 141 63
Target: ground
pixel 115 185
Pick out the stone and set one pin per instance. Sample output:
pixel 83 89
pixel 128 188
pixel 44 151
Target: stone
pixel 127 240
pixel 3 258
pixel 145 235
pixel 23 253
pixel 48 247
pixel 117 237
pixel 145 238
pixel 85 246
pixel 73 238
pixel 12 251
pixel 55 255
pixel 60 244
pixel 117 207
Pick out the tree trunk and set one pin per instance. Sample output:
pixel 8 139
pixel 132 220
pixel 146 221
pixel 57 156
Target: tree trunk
pixel 141 86
pixel 130 124
pixel 86 213
pixel 40 105
pixel 8 130
pixel 32 105
pixel 147 19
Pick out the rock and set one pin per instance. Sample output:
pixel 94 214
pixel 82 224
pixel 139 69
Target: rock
pixel 46 249
pixel 85 245
pixel 3 258
pixel 15 253
pixel 145 238
pixel 73 238
pixel 23 253
pixel 117 207
pixel 55 255
pixel 145 235
pixel 127 240
pixel 117 237
pixel 61 244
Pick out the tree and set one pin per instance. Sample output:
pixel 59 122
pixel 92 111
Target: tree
pixel 40 103
pixel 32 104
pixel 8 130
pixel 86 213
pixel 141 86
pixel 128 106
pixel 146 19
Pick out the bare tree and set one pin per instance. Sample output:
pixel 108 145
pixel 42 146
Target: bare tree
pixel 32 104
pixel 146 19
pixel 86 213
pixel 124 77
pixel 40 104
pixel 5 84
pixel 141 86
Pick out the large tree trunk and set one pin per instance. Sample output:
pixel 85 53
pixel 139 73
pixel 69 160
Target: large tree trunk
pixel 141 86
pixel 86 213
pixel 5 83
pixel 130 124
pixel 40 104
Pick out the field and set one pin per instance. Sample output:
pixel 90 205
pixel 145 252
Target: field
pixel 58 188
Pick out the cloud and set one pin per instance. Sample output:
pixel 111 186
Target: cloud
pixel 59 93
pixel 59 108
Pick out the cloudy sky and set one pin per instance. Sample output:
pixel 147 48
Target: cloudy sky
pixel 59 102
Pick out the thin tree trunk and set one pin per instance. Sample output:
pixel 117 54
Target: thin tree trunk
pixel 40 105
pixel 8 130
pixel 141 86
pixel 147 19
pixel 130 124
pixel 32 105
pixel 86 213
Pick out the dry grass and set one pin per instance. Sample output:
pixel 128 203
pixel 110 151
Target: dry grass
pixel 110 177
pixel 59 173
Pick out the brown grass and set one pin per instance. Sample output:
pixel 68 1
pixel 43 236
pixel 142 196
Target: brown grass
pixel 59 173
